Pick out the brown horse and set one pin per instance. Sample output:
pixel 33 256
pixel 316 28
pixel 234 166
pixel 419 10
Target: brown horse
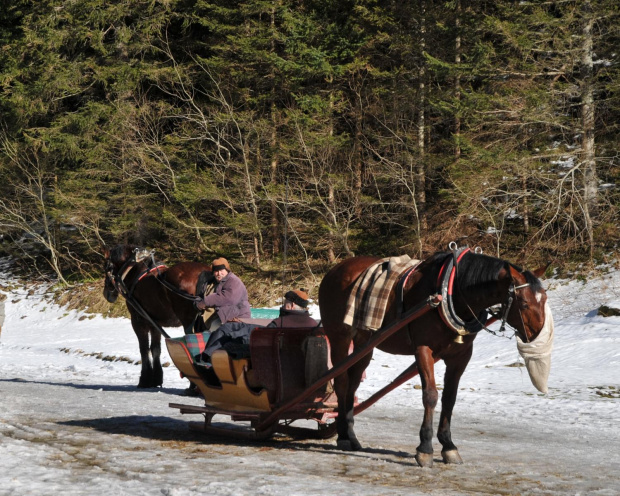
pixel 479 282
pixel 156 297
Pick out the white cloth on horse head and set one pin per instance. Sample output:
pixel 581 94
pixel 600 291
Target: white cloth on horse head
pixel 537 354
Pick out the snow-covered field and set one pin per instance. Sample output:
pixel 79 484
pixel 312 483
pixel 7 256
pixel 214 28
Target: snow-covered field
pixel 72 421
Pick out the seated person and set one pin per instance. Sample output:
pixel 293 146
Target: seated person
pixel 229 298
pixel 293 313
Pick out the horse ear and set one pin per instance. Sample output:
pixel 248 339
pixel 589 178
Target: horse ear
pixel 541 271
pixel 511 273
pixel 504 272
pixel 515 275
pixel 106 252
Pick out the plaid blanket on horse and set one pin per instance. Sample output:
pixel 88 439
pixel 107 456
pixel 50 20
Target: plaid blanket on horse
pixel 368 300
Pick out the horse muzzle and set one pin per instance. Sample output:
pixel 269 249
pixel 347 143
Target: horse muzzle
pixel 110 295
pixel 537 353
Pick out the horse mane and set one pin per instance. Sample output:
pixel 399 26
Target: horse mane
pixel 478 269
pixel 121 253
pixel 533 281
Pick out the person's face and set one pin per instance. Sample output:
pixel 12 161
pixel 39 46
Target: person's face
pixel 220 274
pixel 288 305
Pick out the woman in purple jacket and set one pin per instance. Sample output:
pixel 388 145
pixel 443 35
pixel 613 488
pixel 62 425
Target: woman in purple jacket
pixel 229 297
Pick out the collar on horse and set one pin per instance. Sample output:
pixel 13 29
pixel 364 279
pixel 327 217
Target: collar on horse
pixel 445 282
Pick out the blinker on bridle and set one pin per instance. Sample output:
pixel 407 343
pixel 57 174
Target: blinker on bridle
pixel 512 294
pixel 118 279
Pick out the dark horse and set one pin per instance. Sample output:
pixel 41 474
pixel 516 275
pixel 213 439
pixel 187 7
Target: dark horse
pixel 154 297
pixel 480 282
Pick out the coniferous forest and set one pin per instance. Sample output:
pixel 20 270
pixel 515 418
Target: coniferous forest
pixel 287 135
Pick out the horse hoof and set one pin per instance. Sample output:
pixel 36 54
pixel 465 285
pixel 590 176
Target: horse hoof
pixel 348 445
pixel 452 456
pixel 425 460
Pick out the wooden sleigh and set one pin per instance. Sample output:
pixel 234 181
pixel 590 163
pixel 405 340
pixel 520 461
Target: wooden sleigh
pixel 287 378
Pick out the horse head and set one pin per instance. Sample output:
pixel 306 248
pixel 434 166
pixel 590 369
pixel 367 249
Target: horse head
pixel 116 261
pixel 530 315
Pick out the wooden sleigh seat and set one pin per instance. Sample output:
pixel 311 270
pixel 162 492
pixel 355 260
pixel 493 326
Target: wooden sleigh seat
pixel 282 363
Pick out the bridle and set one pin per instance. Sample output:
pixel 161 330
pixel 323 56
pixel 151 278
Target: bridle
pixel 118 279
pixel 502 315
pixel 118 282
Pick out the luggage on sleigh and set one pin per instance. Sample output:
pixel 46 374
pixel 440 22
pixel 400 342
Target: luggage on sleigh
pixel 282 364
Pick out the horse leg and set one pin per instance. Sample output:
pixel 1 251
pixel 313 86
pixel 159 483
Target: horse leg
pixel 157 370
pixel 142 330
pixel 345 387
pixel 426 368
pixel 454 370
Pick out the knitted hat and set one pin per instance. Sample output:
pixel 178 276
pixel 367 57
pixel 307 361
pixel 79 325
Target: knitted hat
pixel 219 264
pixel 299 297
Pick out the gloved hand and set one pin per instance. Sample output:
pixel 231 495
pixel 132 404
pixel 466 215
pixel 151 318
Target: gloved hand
pixel 199 303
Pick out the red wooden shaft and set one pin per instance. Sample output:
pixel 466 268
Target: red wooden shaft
pixel 380 336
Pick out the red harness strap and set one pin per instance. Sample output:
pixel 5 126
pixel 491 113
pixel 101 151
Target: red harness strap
pixel 452 273
pixel 157 267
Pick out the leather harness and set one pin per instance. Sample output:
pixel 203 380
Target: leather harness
pixel 446 279
pixel 445 283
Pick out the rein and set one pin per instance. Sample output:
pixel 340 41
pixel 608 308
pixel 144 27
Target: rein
pixel 166 284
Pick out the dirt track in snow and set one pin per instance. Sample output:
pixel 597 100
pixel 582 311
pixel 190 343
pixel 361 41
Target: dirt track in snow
pixel 100 439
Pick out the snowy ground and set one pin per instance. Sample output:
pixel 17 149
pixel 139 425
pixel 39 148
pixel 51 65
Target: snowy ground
pixel 72 421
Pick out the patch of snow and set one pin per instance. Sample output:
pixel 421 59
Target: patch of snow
pixel 73 424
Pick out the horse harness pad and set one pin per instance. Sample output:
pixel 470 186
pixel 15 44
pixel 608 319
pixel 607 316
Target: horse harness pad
pixel 368 300
pixel 445 283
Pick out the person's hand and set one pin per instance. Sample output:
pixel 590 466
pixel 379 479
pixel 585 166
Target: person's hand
pixel 199 303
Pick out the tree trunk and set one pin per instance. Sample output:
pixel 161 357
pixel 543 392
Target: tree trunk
pixel 457 82
pixel 419 172
pixel 526 209
pixel 275 225
pixel 331 201
pixel 587 118
pixel 357 169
